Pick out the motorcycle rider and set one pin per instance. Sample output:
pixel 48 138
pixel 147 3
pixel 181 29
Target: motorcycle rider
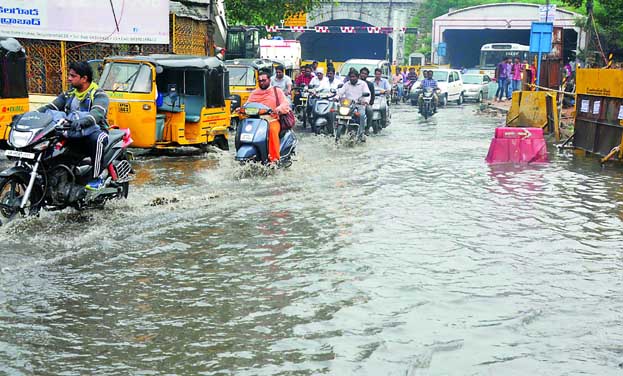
pixel 410 80
pixel 265 95
pixel 315 85
pixel 282 81
pixel 397 80
pixel 363 75
pixel 354 90
pixel 319 79
pixel 382 85
pixel 430 82
pixel 301 81
pixel 332 81
pixel 87 105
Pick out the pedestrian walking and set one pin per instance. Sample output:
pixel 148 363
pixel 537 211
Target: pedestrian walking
pixel 502 73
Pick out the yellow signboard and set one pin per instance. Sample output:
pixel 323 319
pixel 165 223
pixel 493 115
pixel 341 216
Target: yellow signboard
pixel 599 82
pixel 299 19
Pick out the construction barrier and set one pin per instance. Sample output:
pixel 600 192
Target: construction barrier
pixel 537 109
pixel 599 112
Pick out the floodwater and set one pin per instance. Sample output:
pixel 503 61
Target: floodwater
pixel 404 256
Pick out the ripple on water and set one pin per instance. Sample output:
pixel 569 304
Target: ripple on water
pixel 404 256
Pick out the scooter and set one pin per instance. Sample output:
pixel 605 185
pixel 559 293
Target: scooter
pixel 380 103
pixel 252 137
pixel 323 113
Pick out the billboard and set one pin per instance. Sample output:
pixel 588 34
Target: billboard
pixel 107 21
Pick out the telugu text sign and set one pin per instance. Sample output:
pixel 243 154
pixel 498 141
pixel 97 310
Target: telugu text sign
pixel 138 21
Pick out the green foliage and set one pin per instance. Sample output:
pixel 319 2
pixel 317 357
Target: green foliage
pixel 608 16
pixel 266 12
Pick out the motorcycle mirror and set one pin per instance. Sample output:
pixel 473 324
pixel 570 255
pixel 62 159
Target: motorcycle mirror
pixel 340 86
pixel 366 95
pixel 333 91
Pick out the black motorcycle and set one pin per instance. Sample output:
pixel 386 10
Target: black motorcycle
pixel 427 105
pixel 48 174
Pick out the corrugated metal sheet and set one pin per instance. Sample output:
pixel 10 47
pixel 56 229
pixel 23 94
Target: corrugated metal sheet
pixel 197 9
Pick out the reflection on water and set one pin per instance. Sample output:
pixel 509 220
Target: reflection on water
pixel 404 256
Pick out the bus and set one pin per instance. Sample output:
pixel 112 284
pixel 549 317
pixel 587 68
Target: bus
pixel 492 53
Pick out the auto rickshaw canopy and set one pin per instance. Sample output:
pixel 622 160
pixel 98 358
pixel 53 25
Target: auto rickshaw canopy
pixel 190 76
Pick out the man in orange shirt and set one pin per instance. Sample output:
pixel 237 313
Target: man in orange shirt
pixel 268 95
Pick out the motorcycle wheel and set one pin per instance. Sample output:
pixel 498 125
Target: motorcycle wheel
pixel 12 190
pixel 376 126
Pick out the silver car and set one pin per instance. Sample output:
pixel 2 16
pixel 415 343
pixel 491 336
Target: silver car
pixel 476 86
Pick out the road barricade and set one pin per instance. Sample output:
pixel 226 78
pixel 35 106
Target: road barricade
pixel 517 145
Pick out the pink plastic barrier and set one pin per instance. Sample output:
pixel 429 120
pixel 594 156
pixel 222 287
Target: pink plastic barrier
pixel 517 145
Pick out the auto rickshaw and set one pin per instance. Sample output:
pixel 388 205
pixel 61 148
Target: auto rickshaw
pixel 243 75
pixel 168 101
pixel 13 85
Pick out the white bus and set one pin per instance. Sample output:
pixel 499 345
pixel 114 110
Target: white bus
pixel 492 53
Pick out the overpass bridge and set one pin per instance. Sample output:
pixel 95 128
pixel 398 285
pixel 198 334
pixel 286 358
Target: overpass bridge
pixel 392 15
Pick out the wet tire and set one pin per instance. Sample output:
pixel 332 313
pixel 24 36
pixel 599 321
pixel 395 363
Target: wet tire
pixel 221 143
pixel 480 97
pixel 460 100
pixel 444 101
pixel 12 190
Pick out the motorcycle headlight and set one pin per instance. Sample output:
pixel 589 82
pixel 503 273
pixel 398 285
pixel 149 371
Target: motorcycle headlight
pixel 344 111
pixel 20 139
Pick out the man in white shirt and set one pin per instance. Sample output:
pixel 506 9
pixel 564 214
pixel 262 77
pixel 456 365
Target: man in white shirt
pixel 282 81
pixel 319 79
pixel 383 87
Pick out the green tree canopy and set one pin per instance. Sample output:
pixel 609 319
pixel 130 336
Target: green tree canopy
pixel 266 12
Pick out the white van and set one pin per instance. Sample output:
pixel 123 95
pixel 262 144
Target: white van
pixel 368 63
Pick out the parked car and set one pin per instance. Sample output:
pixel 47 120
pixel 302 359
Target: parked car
pixel 476 86
pixel 450 85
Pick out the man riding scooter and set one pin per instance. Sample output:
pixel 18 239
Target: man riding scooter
pixel 382 86
pixel 356 90
pixel 269 96
pixel 430 82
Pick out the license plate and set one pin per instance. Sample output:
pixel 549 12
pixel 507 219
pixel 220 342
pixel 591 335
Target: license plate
pixel 19 154
pixel 248 137
pixel 343 117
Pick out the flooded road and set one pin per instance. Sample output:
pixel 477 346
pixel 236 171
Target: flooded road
pixel 404 256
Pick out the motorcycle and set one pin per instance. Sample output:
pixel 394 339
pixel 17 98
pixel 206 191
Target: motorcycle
pixel 407 90
pixel 301 108
pixel 252 137
pixel 49 174
pixel 426 104
pixel 323 112
pixel 347 119
pixel 395 98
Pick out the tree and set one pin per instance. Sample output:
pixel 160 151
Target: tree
pixel 266 12
pixel 608 22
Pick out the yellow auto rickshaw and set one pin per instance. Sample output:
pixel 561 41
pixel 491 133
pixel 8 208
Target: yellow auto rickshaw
pixel 168 100
pixel 13 85
pixel 243 74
